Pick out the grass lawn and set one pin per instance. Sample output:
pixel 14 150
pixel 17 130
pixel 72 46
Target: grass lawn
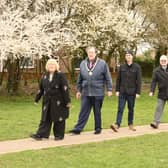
pixel 149 151
pixel 19 116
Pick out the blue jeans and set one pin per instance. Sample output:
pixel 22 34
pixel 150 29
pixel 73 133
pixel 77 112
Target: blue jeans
pixel 87 103
pixel 123 98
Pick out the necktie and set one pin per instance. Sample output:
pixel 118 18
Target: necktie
pixel 91 65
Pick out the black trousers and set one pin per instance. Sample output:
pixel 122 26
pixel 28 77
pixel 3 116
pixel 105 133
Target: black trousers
pixel 45 128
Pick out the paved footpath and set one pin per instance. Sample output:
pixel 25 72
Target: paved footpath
pixel 69 140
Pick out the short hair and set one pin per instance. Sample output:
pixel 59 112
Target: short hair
pixel 52 61
pixel 91 47
pixel 163 57
pixel 129 52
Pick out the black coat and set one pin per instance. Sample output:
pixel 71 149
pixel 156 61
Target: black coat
pixel 55 97
pixel 160 77
pixel 129 79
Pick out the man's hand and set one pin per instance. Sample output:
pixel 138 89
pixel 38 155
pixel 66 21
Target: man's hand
pixel 109 93
pixel 151 94
pixel 137 95
pixel 35 103
pixel 78 95
pixel 117 94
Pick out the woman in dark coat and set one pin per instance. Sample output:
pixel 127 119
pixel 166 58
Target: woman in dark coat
pixel 56 102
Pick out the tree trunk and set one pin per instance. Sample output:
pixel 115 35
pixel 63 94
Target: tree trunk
pixel 14 76
pixel 3 71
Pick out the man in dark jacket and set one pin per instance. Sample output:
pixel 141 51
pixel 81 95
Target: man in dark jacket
pixel 128 87
pixel 160 77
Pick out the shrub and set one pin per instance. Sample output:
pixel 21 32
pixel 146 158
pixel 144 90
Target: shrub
pixel 147 66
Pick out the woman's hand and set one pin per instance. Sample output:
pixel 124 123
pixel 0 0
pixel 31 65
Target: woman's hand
pixel 68 105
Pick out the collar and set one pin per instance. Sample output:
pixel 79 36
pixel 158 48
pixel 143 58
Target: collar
pixel 93 60
pixel 129 65
pixel 86 65
pixel 163 68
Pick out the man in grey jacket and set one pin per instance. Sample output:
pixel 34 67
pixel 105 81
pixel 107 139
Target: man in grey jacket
pixel 160 77
pixel 94 75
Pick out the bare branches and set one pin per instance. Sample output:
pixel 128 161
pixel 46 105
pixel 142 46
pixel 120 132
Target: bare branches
pixel 157 15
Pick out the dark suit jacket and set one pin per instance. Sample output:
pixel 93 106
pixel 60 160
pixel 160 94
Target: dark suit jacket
pixel 55 96
pixel 160 77
pixel 129 79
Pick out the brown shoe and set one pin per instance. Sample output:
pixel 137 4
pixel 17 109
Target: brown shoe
pixel 114 127
pixel 131 127
pixel 154 125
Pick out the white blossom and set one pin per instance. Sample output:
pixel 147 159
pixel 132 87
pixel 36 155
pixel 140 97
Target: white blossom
pixel 72 23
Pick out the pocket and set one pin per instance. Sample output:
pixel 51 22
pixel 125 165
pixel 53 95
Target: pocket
pixel 133 70
pixel 131 91
pixel 84 84
pixel 123 70
pixel 65 112
pixel 97 84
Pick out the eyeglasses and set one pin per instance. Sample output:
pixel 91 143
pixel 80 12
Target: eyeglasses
pixel 163 60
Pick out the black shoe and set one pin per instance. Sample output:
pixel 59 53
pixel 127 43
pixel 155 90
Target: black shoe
pixel 76 132
pixel 98 131
pixel 154 126
pixel 37 137
pixel 58 138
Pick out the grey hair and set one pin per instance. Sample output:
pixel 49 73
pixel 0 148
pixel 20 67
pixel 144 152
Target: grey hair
pixel 91 47
pixel 163 56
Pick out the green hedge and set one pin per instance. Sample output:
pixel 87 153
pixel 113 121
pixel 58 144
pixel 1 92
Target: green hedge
pixel 147 66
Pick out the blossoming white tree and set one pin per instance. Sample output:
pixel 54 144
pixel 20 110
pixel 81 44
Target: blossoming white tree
pixel 42 27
